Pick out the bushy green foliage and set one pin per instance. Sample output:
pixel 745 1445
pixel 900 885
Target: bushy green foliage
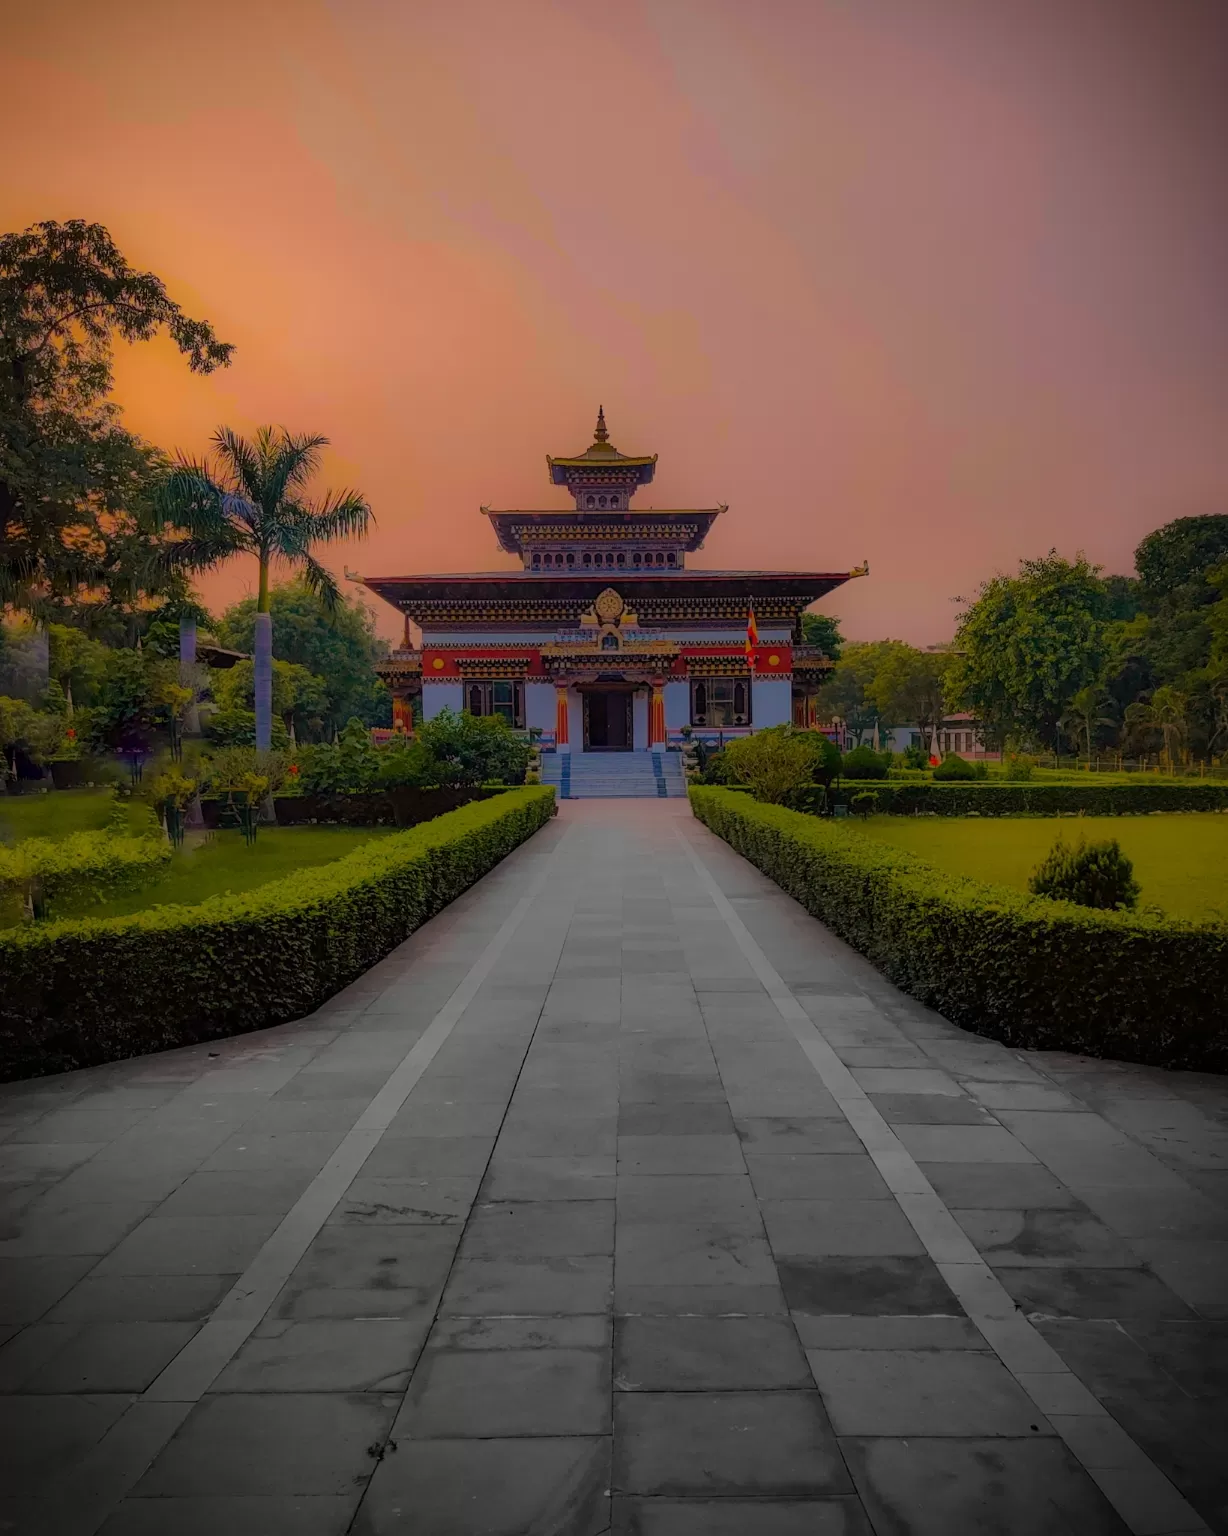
pixel 26 729
pixel 1021 969
pixel 1017 768
pixel 915 756
pixel 778 762
pixel 237 728
pixel 993 797
pixel 88 866
pixel 715 767
pixel 865 763
pixel 91 990
pixel 300 697
pixel 474 749
pixel 864 802
pixel 954 768
pixel 348 765
pixel 1089 874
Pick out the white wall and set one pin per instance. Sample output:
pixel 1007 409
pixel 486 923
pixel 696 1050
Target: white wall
pixel 437 696
pixel 575 720
pixel 677 705
pixel 539 706
pixel 771 701
pixel 639 721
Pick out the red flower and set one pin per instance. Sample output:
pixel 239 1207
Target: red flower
pixel 71 734
pixel 293 768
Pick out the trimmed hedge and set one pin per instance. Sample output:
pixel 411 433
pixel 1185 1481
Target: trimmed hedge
pixel 98 989
pixel 87 865
pixel 983 798
pixel 1022 969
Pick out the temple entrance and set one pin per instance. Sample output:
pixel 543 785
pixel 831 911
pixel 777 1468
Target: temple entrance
pixel 607 722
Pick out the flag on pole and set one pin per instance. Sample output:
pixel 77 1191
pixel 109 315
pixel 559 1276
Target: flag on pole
pixel 752 639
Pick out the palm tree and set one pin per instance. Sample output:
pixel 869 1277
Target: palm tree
pixel 1083 717
pixel 1169 713
pixel 252 501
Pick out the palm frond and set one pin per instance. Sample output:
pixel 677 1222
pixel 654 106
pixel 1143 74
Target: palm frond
pixel 320 581
pixel 339 515
pixel 244 461
pixel 292 461
pixel 190 497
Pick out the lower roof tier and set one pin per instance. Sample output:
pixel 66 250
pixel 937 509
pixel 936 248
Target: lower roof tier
pixel 514 600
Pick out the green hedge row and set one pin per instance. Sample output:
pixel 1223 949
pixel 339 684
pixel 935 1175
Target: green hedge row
pixel 83 864
pixel 97 989
pixel 982 798
pixel 1022 969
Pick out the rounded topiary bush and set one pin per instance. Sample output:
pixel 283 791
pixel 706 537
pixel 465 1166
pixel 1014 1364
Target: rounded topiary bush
pixel 865 763
pixel 864 802
pixel 953 767
pixel 1091 874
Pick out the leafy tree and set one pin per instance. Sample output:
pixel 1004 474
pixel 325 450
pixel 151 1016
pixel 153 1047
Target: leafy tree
pixel 27 730
pixel 909 685
pixel 73 482
pixel 253 500
pixel 469 750
pixel 850 693
pixel 339 647
pixel 1174 561
pixel 1028 643
pixel 299 697
pixel 823 631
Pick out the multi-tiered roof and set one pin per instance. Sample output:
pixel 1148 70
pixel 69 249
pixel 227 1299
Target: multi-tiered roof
pixel 569 557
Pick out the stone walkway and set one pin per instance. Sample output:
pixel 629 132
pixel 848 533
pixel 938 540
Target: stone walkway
pixel 621 1198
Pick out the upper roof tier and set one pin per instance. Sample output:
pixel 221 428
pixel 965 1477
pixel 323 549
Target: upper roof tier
pixel 602 468
pixel 520 532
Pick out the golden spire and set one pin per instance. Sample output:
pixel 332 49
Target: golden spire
pixel 601 435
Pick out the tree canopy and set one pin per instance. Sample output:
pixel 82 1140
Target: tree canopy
pixel 75 485
pixel 340 648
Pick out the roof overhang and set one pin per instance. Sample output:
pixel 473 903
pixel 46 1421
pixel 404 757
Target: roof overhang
pixel 688 528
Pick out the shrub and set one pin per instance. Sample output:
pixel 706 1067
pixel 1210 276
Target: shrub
pixel 1017 768
pixel 474 749
pixel 778 762
pixel 715 767
pixel 953 767
pixel 994 798
pixel 865 763
pixel 237 728
pixel 1089 874
pixel 864 802
pixel 1016 967
pixel 915 757
pixel 88 866
pixel 90 990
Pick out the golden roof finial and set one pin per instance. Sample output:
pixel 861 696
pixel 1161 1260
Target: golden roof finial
pixel 601 435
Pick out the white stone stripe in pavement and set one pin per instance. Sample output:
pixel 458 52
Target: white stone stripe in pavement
pixel 124 1454
pixel 1140 1493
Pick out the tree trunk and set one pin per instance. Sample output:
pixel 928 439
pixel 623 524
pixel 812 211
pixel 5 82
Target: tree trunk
pixel 264 681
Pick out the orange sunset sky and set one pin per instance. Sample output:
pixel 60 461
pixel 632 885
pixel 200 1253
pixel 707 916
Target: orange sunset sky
pixel 933 283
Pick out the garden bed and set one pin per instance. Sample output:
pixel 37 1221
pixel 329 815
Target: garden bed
pixel 83 991
pixel 987 798
pixel 1022 969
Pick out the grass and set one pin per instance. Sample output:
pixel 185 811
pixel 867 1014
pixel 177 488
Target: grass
pixel 57 813
pixel 1180 861
pixel 225 863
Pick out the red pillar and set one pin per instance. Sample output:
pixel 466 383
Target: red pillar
pixel 656 715
pixel 561 736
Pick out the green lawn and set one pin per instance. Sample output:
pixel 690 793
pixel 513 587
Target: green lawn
pixel 1181 862
pixel 56 814
pixel 225 863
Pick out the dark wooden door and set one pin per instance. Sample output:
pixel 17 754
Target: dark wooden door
pixel 609 722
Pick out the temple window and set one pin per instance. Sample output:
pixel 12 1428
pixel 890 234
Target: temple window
pixel 621 558
pixel 591 502
pixel 720 702
pixel 588 559
pixel 505 699
pixel 571 559
pixel 609 642
pixel 601 501
pixel 669 559
pixel 636 558
pixel 537 560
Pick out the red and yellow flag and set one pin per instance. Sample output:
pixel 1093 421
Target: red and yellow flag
pixel 752 639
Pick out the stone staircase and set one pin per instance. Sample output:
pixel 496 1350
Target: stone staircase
pixel 614 775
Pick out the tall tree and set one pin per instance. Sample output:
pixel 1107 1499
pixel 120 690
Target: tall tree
pixel 910 685
pixel 251 499
pixel 823 631
pixel 71 476
pixel 1027 644
pixel 340 647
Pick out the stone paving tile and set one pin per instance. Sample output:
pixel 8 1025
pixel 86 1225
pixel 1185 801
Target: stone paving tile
pixel 252 1516
pixel 697 1444
pixel 495 1487
pixel 998 1487
pixel 620 1215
